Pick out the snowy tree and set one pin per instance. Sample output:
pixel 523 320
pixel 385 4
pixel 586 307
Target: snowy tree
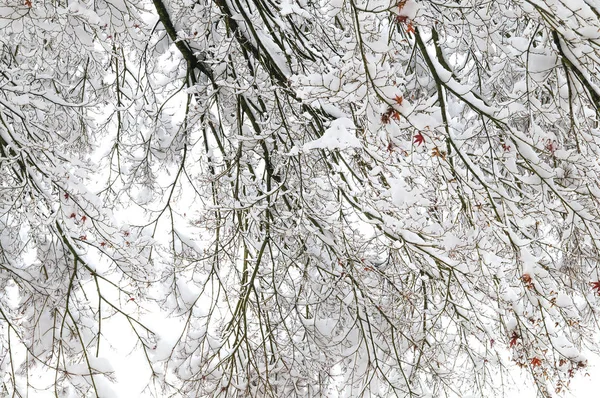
pixel 324 198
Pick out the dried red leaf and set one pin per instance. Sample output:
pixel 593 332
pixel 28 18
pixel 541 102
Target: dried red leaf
pixel 551 146
pixel 398 100
pixel 28 3
pixel 83 218
pixel 410 28
pixel 390 113
pixel 527 281
pixel 513 339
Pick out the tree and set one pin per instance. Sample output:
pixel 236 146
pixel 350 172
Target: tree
pixel 362 198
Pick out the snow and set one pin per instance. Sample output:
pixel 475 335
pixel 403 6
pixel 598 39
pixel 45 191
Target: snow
pixel 339 135
pixel 410 9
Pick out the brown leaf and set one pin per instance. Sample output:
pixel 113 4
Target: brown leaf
pixel 435 152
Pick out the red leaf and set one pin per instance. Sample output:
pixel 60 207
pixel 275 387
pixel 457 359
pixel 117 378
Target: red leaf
pixel 28 3
pixel 398 100
pixel 596 286
pixel 83 218
pixel 535 361
pixel 72 215
pixel 513 340
pixel 401 18
pixel 419 139
pixel 66 195
pixel 410 28
pixel 102 244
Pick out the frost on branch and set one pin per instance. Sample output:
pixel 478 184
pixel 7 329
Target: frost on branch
pixel 354 198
